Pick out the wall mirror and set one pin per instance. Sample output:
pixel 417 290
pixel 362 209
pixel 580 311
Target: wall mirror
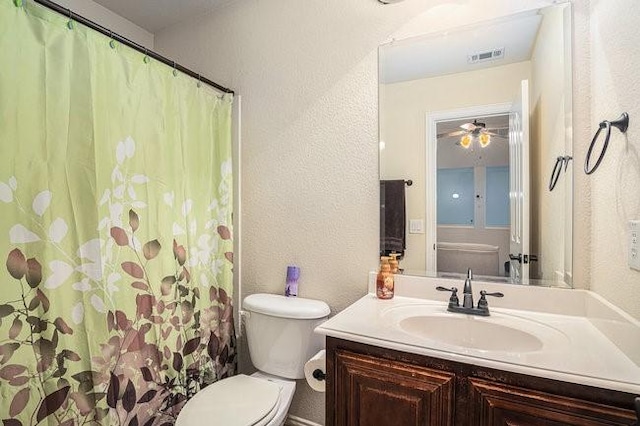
pixel 475 150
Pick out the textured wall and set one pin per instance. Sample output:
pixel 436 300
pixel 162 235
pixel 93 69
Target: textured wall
pixel 307 73
pixel 581 133
pixel 615 61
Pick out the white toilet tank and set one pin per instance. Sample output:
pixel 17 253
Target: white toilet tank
pixel 280 332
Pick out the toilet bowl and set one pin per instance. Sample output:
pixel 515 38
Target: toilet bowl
pixel 281 339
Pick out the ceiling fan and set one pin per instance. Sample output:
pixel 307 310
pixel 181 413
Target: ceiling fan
pixel 475 130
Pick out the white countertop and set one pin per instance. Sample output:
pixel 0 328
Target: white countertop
pixel 578 346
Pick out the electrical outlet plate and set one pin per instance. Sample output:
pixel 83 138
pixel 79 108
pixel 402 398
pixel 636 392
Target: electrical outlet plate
pixel 634 244
pixel 416 226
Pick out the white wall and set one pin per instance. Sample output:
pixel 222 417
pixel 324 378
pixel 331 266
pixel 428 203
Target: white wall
pixel 403 109
pixel 103 16
pixel 615 197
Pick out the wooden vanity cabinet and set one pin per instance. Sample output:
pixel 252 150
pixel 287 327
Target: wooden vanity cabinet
pixel 373 391
pixel 371 386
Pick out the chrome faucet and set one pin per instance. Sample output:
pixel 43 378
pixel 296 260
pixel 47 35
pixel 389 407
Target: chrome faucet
pixel 467 293
pixel 467 302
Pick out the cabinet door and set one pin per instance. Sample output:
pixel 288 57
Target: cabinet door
pixel 373 391
pixel 493 404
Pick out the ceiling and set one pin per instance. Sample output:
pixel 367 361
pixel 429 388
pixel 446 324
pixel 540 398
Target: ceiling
pixel 452 155
pixel 447 53
pixel 492 122
pixel 154 15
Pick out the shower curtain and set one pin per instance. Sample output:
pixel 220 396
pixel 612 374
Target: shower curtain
pixel 115 228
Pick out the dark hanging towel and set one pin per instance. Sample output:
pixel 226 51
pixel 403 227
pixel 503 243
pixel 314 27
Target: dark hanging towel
pixel 392 217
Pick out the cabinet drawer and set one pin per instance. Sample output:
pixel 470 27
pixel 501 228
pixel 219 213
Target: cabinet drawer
pixel 495 404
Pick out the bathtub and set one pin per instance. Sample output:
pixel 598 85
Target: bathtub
pixel 483 259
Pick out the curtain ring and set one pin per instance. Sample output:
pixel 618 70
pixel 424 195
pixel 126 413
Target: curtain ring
pixel 70 22
pixel 621 124
pixel 555 175
pixel 112 43
pixel 175 72
pixel 199 81
pixel 146 56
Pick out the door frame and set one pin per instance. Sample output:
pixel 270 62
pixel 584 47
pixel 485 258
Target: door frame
pixel 431 151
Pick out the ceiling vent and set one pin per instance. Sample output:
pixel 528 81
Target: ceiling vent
pixel 486 55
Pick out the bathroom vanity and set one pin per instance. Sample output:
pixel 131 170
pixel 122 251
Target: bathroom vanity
pixel 544 356
pixel 370 385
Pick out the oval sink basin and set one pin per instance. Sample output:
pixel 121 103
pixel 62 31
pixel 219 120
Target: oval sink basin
pixel 471 332
pixel 500 332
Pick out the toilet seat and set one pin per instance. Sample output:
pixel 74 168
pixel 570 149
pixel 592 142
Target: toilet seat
pixel 235 401
pixel 266 419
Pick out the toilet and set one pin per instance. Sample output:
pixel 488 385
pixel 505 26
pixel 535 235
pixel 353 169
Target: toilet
pixel 281 340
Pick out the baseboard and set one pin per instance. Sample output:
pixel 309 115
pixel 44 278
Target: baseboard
pixel 299 421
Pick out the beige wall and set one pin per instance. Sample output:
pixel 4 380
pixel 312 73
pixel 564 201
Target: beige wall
pixel 549 208
pixel 403 109
pixel 615 193
pixel 581 132
pixel 103 16
pixel 307 72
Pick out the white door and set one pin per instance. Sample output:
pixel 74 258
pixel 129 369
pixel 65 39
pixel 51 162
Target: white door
pixel 519 186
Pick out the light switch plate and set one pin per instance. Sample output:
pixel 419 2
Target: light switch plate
pixel 416 226
pixel 634 244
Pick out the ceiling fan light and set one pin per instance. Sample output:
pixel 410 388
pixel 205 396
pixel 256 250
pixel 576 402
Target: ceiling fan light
pixel 485 140
pixel 465 141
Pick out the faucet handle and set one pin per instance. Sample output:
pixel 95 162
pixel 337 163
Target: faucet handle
pixel 482 303
pixel 469 274
pixel 453 300
pixel 483 293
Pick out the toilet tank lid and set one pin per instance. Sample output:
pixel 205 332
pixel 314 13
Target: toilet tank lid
pixel 286 307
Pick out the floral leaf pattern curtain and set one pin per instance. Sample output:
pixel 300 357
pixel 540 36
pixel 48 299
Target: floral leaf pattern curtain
pixel 115 229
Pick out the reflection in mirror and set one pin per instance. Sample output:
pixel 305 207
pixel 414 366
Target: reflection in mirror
pixel 476 118
pixel 472 195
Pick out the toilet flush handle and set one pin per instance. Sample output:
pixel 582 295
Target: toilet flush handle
pixel 243 318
